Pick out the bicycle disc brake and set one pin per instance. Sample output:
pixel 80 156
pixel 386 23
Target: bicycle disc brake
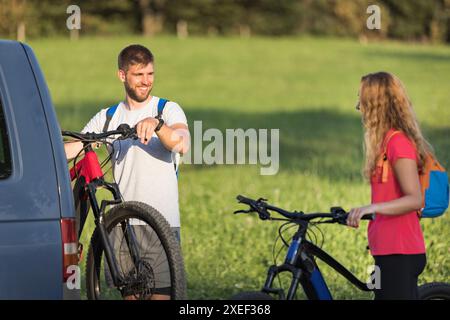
pixel 139 282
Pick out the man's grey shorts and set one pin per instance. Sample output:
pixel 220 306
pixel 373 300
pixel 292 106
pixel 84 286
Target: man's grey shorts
pixel 151 251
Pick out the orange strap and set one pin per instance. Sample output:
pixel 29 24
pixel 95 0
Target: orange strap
pixel 384 158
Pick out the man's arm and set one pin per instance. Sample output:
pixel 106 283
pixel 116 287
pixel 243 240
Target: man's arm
pixel 94 125
pixel 72 149
pixel 175 138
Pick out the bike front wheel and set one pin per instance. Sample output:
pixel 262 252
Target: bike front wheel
pixel 147 252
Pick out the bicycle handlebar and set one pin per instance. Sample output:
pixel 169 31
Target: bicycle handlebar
pixel 337 214
pixel 124 130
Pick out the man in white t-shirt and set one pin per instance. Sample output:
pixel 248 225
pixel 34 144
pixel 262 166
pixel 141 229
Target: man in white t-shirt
pixel 144 168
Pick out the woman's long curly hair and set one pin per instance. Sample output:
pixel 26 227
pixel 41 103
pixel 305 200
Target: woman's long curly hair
pixel 385 105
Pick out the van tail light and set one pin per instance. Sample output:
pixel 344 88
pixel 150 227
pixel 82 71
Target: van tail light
pixel 70 246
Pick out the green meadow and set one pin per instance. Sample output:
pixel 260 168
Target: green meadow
pixel 305 87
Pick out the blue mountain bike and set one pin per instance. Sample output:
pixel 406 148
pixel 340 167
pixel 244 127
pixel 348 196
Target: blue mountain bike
pixel 300 260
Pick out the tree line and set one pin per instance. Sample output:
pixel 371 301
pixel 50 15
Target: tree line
pixel 415 20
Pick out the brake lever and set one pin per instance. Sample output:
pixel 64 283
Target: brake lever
pixel 262 215
pixel 243 211
pixel 265 215
pixel 339 215
pixel 130 135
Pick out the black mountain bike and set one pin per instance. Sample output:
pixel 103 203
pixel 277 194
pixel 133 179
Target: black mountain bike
pixel 118 263
pixel 300 260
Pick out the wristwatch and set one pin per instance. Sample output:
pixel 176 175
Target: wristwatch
pixel 160 124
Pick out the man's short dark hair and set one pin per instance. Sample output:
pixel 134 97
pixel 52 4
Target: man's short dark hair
pixel 134 54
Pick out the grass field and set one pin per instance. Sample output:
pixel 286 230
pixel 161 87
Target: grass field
pixel 305 87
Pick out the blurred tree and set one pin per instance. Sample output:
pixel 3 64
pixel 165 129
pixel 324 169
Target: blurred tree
pixel 151 16
pixel 109 17
pixel 13 15
pixel 447 19
pixel 418 20
pixel 205 16
pixel 274 17
pixel 339 18
pixel 409 20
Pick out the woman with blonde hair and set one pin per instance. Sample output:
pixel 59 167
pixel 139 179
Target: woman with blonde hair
pixel 395 152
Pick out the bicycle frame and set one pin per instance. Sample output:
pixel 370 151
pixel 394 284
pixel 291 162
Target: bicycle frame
pixel 300 261
pixel 89 177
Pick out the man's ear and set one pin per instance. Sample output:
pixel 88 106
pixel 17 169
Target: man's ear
pixel 121 74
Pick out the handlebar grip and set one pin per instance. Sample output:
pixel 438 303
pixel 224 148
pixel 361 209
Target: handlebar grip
pixel 369 216
pixel 125 129
pixel 243 199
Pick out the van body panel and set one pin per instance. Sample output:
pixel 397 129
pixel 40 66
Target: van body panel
pixel 37 194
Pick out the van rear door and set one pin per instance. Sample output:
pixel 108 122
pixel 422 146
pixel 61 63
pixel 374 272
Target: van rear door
pixel 31 251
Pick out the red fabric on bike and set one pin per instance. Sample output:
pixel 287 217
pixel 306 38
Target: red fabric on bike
pixel 92 166
pixel 88 167
pixel 394 234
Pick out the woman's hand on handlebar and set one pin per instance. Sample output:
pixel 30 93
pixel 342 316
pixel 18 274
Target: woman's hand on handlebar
pixel 355 215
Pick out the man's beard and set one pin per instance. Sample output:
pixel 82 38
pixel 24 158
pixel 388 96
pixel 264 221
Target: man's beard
pixel 134 95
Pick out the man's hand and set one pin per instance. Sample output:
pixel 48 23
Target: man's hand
pixel 175 138
pixel 145 129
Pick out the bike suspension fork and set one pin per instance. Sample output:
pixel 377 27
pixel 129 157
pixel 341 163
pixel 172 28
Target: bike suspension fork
pixel 109 252
pixel 131 239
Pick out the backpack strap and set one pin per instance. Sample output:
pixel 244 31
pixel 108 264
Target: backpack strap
pixel 383 160
pixel 109 114
pixel 111 110
pixel 161 104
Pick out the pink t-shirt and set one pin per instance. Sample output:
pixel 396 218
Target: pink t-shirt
pixel 394 234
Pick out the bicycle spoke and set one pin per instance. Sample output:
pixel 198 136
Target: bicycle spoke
pixel 143 264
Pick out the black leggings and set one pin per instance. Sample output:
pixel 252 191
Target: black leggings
pixel 399 274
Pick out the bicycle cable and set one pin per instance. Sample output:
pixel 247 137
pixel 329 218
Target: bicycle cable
pixel 104 162
pixel 316 225
pixel 282 229
pixel 85 147
pixel 113 176
pixel 309 237
pixel 76 157
pixel 108 158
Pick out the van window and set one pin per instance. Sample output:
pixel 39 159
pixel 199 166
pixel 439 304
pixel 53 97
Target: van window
pixel 5 154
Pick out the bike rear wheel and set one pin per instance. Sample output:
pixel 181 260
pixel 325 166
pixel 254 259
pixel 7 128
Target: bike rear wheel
pixel 252 295
pixel 156 267
pixel 434 291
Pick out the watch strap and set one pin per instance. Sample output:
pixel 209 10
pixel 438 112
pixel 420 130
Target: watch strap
pixel 160 124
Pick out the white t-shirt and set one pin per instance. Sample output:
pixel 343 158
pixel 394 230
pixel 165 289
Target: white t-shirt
pixel 144 173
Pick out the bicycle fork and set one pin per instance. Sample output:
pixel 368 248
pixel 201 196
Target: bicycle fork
pixel 99 222
pixel 304 271
pixel 289 265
